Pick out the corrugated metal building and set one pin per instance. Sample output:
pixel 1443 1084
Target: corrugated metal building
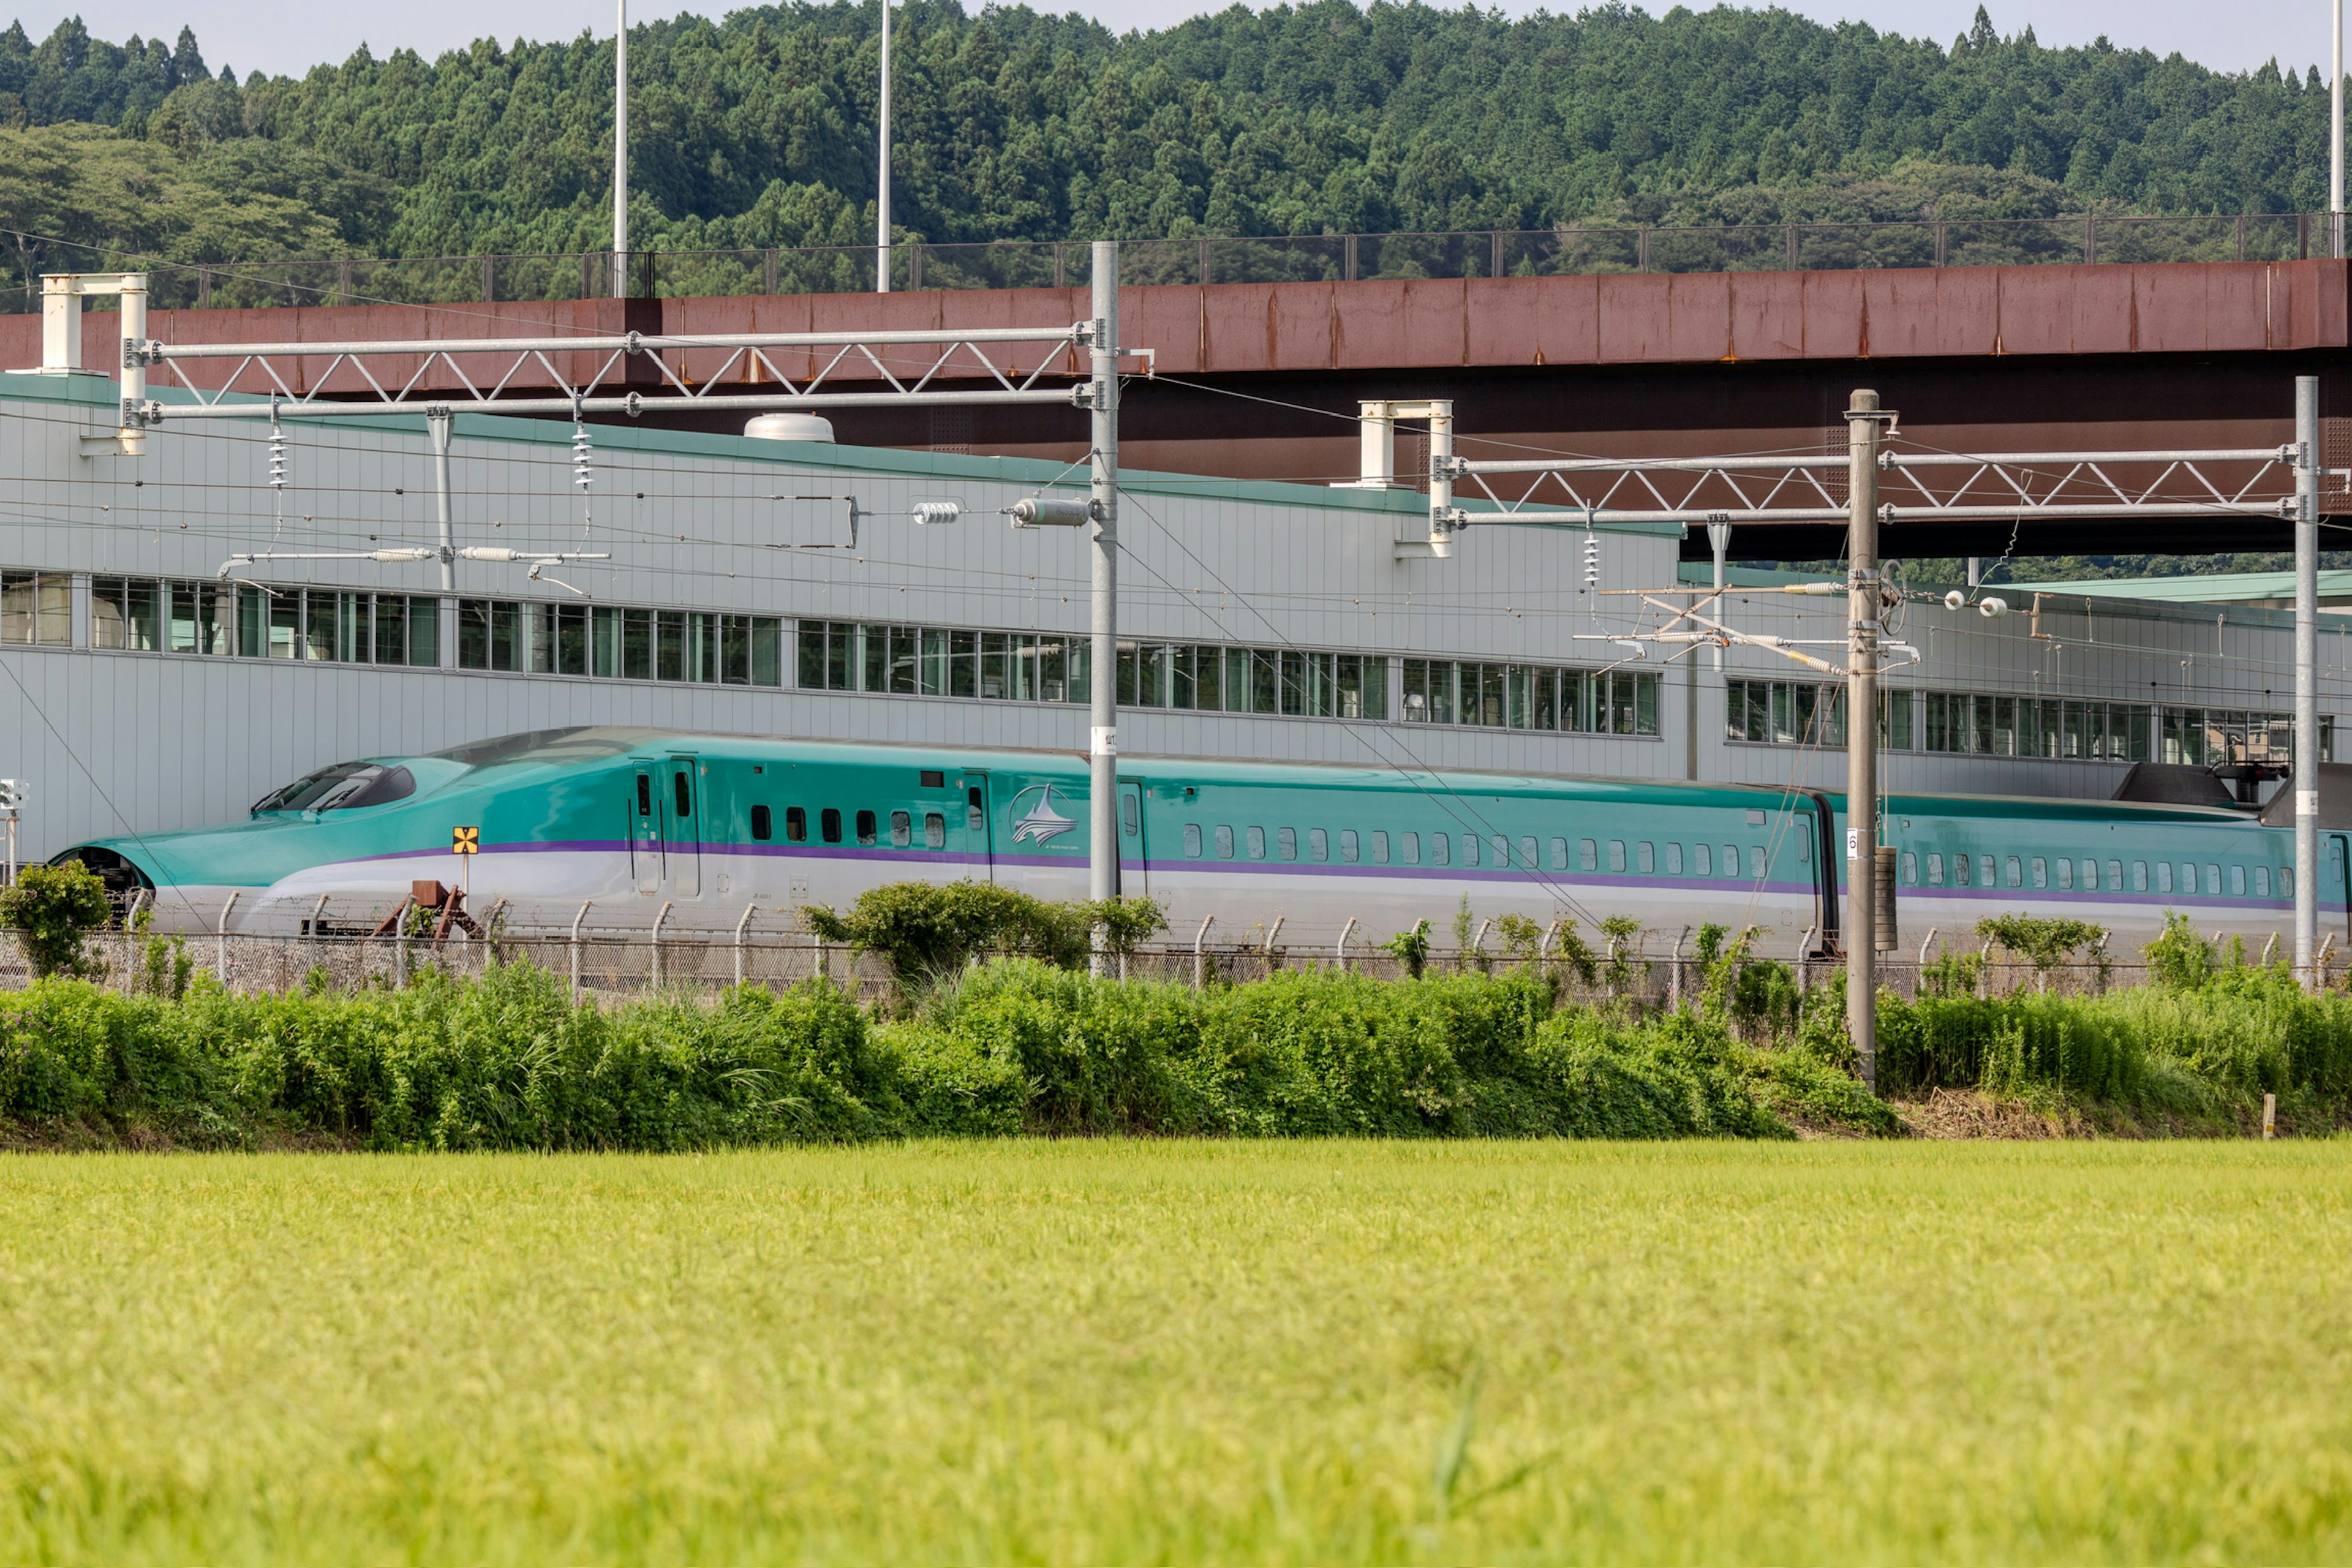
pixel 786 588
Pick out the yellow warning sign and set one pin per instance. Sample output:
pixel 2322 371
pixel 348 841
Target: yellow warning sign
pixel 465 840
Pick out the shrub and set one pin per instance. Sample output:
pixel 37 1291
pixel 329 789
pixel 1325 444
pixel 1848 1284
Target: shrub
pixel 52 909
pixel 929 930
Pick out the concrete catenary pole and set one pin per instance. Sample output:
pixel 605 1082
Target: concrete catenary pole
pixel 2306 782
pixel 620 157
pixel 1718 543
pixel 1864 422
pixel 437 422
pixel 1102 868
pixel 882 177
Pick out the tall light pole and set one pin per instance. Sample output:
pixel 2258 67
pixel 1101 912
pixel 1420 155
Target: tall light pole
pixel 882 185
pixel 621 156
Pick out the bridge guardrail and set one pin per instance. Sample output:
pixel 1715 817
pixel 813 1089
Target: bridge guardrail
pixel 1568 250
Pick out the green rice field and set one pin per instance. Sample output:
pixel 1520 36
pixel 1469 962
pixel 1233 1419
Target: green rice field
pixel 1098 1351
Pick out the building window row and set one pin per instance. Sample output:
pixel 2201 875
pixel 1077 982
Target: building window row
pixel 616 642
pixel 246 620
pixel 36 607
pixel 1800 712
pixel 1528 696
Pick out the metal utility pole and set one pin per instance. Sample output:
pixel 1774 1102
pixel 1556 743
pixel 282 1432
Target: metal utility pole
pixel 882 185
pixel 2335 128
pixel 1865 421
pixel 2306 779
pixel 1102 867
pixel 620 156
pixel 437 422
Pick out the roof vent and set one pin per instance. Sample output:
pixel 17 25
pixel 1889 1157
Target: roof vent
pixel 790 428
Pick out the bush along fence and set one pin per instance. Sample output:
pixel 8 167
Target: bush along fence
pixel 510 1060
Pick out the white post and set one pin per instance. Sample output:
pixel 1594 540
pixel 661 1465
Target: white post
pixel 1342 949
pixel 1719 539
pixel 620 158
pixel 1102 751
pixel 437 423
pixel 1863 421
pixel 739 940
pixel 882 183
pixel 1674 973
pixel 60 323
pixel 1200 958
pixel 575 946
pixel 2306 668
pixel 657 925
pixel 2335 128
pixel 1925 946
pixel 1269 938
pixel 220 939
pixel 133 431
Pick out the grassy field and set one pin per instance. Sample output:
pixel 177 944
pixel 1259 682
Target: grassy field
pixel 1105 1351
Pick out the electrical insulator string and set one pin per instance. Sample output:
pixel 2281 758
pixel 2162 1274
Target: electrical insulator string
pixel 584 471
pixel 277 464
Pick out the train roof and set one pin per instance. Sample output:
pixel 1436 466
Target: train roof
pixel 590 743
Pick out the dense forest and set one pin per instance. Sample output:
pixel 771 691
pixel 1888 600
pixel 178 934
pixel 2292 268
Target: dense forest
pixel 1322 117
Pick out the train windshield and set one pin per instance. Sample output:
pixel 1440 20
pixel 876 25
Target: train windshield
pixel 342 787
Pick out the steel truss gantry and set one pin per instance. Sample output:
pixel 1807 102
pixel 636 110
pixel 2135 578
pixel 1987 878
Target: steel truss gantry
pixel 1917 485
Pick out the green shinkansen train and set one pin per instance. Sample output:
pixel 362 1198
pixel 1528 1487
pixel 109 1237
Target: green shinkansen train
pixel 708 824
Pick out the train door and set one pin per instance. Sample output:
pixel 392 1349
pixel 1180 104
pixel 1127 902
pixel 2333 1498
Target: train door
pixel 682 827
pixel 645 832
pixel 979 831
pixel 2337 872
pixel 1131 857
pixel 1826 859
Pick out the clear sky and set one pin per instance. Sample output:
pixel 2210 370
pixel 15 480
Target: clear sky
pixel 279 37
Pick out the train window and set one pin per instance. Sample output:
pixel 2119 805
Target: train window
pixel 1911 868
pixel 683 788
pixel 934 779
pixel 1703 861
pixel 797 825
pixel 2188 876
pixel 1528 862
pixel 763 824
pixel 1804 848
pixel 2262 881
pixel 645 795
pixel 1588 855
pixel 1469 849
pixel 1224 841
pixel 2040 869
pixel 867 833
pixel 2090 876
pixel 1441 848
pixel 1984 870
pixel 1131 821
pixel 2212 880
pixel 1645 859
pixel 1731 859
pixel 1380 848
pixel 902 830
pixel 1502 848
pixel 1192 839
pixel 1935 870
pixel 2237 881
pixel 2115 875
pixel 1319 844
pixel 2012 875
pixel 2163 877
pixel 1286 843
pixel 935 830
pixel 1255 839
pixel 1673 860
pixel 1617 855
pixel 2065 874
pixel 2285 883
pixel 829 823
pixel 1348 845
pixel 2139 876
pixel 1559 848
pixel 1409 848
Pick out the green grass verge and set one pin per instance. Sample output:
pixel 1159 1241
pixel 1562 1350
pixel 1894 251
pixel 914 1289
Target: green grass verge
pixel 1105 1351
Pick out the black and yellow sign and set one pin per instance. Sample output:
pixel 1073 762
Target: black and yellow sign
pixel 465 841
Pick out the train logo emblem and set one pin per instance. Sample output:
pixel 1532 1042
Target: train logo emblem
pixel 1040 822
